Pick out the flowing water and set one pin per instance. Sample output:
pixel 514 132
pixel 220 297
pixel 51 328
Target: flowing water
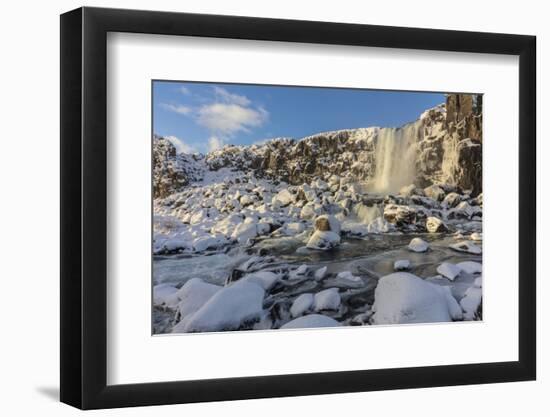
pixel 369 258
pixel 395 158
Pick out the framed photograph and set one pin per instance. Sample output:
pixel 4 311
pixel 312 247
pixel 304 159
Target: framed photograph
pixel 257 208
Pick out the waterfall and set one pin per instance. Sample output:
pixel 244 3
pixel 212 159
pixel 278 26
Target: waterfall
pixel 395 158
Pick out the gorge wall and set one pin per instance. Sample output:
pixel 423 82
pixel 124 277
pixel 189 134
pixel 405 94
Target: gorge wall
pixel 444 146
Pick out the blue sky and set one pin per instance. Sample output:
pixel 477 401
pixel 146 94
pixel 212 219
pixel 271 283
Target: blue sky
pixel 199 117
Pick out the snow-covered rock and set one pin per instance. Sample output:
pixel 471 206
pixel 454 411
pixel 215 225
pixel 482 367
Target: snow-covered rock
pixel 328 299
pixel 435 225
pixel 448 270
pixel 435 192
pixel 194 294
pixel 323 240
pixel 348 280
pixel 283 197
pixel 471 302
pixel 402 265
pixel 418 245
pixel 477 237
pixel 228 309
pixel 467 247
pixel 478 282
pixel 165 294
pixel 301 304
pixel 327 223
pixel 209 242
pixel 405 298
pixel 291 229
pixel 245 231
pixel 320 273
pixel 470 267
pixel 265 279
pixel 311 321
pixel 451 200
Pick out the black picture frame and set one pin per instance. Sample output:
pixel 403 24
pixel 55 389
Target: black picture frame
pixel 84 207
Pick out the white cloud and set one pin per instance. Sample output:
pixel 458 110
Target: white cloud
pixel 181 146
pixel 214 143
pixel 184 90
pixel 228 119
pixel 230 98
pixel 181 109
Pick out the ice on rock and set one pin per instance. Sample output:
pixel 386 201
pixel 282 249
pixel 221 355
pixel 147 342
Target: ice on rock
pixel 301 304
pixel 165 294
pixel 327 300
pixel 405 298
pixel 467 247
pixel 448 270
pixel 228 309
pixel 320 273
pixel 194 294
pixel 402 265
pixel 323 240
pixel 478 282
pixel 418 245
pixel 471 302
pixel 311 321
pixel 265 279
pixel 470 267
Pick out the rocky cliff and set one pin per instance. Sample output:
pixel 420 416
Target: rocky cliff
pixel 444 146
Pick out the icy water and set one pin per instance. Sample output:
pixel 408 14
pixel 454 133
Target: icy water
pixel 368 258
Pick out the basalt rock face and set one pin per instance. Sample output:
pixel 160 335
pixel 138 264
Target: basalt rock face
pixel 172 171
pixel 444 146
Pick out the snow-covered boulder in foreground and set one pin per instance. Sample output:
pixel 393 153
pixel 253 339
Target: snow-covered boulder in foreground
pixel 402 265
pixel 165 295
pixel 228 309
pixel 471 302
pixel 405 298
pixel 448 270
pixel 265 279
pixel 311 321
pixel 418 245
pixel 470 267
pixel 194 294
pixel 467 247
pixel 301 304
pixel 327 300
